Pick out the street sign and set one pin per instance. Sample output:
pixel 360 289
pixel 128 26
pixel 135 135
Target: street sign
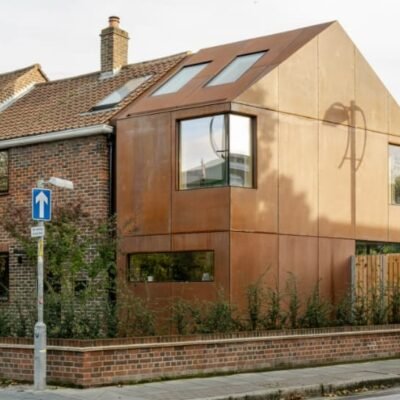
pixel 37 231
pixel 41 204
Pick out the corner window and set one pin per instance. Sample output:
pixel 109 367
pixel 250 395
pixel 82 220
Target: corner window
pixel 394 174
pixel 184 266
pixel 234 70
pixel 180 79
pixel 3 171
pixel 216 151
pixel 4 277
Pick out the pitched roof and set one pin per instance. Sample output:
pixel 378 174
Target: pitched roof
pixel 66 103
pixel 12 83
pixel 277 47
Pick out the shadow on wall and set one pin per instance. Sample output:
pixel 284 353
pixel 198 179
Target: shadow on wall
pixel 300 251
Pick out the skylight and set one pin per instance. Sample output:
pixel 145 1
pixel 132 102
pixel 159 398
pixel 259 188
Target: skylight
pixel 234 70
pixel 180 79
pixel 115 97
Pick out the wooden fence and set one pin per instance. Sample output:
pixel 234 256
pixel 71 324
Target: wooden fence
pixel 375 272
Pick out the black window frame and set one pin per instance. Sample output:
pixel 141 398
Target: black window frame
pixel 210 278
pixel 4 277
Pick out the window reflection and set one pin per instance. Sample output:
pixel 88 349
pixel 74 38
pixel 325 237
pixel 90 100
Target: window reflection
pixel 184 266
pixel 212 146
pixel 394 168
pixel 3 171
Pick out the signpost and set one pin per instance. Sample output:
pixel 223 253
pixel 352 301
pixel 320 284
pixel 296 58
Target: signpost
pixel 41 211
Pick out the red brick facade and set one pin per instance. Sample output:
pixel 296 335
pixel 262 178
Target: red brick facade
pixel 93 363
pixel 85 161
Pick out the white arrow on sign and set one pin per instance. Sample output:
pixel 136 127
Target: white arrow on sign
pixel 42 199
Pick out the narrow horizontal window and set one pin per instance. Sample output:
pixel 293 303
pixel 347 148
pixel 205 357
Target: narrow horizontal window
pixel 234 70
pixel 4 277
pixel 216 151
pixel 394 174
pixel 180 79
pixel 118 95
pixel 3 171
pixel 184 266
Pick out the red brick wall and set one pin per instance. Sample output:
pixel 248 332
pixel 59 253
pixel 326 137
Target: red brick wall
pixel 82 160
pixel 91 363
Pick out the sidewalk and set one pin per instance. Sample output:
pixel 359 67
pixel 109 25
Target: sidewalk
pixel 260 385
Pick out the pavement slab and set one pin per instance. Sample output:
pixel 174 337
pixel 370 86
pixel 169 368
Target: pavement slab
pixel 238 386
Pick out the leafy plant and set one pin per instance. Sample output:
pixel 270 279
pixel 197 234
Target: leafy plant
pixel 274 318
pixel 377 306
pixel 394 304
pixel 5 326
pixel 294 302
pixel 316 314
pixel 255 295
pixel 79 264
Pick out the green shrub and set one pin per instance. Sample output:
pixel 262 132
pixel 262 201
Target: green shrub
pixel 293 302
pixel 183 316
pixel 377 306
pixel 274 318
pixel 317 312
pixel 5 326
pixel 344 310
pixel 255 296
pixel 394 304
pixel 136 318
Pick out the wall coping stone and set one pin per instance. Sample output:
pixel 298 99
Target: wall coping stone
pixel 82 345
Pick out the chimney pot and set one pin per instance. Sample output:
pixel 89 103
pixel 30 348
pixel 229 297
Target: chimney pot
pixel 113 21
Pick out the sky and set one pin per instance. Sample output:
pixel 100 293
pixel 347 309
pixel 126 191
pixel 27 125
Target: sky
pixel 63 36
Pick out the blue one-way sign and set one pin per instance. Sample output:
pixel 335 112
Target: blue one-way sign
pixel 41 204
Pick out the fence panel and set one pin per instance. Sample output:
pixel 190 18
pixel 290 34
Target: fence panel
pixel 375 272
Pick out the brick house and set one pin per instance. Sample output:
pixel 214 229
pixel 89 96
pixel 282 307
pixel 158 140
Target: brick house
pixel 247 160
pixel 62 128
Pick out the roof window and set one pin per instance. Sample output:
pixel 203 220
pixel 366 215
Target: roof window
pixel 180 79
pixel 235 69
pixel 118 95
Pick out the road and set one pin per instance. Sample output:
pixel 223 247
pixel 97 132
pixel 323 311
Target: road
pixel 391 394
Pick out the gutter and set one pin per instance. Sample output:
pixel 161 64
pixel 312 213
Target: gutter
pixel 58 135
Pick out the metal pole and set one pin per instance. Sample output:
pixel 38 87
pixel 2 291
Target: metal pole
pixel 40 327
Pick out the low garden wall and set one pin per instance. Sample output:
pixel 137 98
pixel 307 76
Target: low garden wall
pixel 101 362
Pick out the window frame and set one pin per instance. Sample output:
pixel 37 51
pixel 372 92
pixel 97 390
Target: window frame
pixel 7 175
pixel 253 147
pixel 6 298
pixel 145 281
pixel 209 83
pixel 154 92
pixel 101 106
pixel 390 144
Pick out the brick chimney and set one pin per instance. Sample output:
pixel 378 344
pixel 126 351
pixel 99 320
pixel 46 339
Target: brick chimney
pixel 114 46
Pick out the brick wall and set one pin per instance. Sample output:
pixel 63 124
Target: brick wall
pixel 101 362
pixel 82 160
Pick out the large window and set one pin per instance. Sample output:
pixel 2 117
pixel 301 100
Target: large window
pixel 4 276
pixel 216 151
pixel 184 266
pixel 3 171
pixel 394 171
